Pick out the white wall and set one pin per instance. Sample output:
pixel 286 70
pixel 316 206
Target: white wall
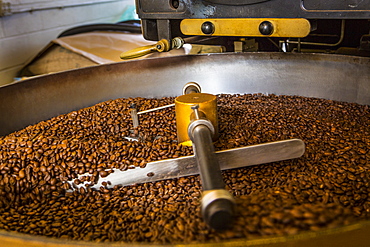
pixel 23 35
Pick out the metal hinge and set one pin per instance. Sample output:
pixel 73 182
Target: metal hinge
pixel 5 8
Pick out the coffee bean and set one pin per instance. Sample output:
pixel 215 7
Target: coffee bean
pixel 327 187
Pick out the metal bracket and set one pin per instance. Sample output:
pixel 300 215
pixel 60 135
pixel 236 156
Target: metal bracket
pixel 247 27
pixel 245 45
pixel 5 9
pixel 365 42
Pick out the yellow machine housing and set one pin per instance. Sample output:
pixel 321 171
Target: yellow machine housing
pixel 184 114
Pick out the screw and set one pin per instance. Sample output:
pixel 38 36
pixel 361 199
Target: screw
pixel 266 28
pixel 208 27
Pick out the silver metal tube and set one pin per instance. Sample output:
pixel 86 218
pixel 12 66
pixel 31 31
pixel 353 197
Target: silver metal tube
pixel 210 171
pixel 156 109
pixel 217 203
pixel 323 44
pixel 134 116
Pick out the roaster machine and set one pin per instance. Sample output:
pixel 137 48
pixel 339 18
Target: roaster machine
pixel 283 23
pixel 256 25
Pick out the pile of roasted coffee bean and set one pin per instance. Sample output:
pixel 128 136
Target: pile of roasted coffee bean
pixel 326 188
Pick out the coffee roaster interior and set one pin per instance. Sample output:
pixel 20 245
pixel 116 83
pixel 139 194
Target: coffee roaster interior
pixel 317 49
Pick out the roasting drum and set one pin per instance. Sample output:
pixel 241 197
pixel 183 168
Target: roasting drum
pixel 335 77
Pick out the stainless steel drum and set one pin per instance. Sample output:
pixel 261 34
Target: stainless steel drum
pixel 334 77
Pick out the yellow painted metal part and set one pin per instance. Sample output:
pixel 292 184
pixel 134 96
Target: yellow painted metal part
pixel 249 27
pixel 160 46
pixel 207 106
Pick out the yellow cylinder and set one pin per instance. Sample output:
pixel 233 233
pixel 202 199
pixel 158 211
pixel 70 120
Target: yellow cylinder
pixel 184 114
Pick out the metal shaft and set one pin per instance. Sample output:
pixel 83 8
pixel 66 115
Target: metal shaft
pixel 134 115
pixel 217 203
pixel 209 168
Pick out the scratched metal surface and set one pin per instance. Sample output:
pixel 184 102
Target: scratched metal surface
pixel 335 77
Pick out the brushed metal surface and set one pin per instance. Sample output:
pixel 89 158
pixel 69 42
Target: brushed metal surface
pixel 335 77
pixel 187 165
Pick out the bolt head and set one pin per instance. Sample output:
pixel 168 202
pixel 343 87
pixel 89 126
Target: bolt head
pixel 266 28
pixel 208 28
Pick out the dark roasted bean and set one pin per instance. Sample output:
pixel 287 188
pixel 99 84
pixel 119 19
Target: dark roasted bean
pixel 326 188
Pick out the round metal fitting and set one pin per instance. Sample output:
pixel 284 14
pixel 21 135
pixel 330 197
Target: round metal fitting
pixel 210 196
pixel 175 4
pixel 163 45
pixel 266 28
pixel 208 28
pixel 191 87
pixel 217 207
pixel 198 122
pixel 177 42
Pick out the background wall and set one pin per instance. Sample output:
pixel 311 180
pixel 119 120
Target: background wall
pixel 24 33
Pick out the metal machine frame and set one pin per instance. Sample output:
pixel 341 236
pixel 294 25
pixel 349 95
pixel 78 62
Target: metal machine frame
pixel 161 18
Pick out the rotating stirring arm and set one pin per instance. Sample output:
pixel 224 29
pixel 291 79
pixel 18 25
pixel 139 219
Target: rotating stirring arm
pixel 217 203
